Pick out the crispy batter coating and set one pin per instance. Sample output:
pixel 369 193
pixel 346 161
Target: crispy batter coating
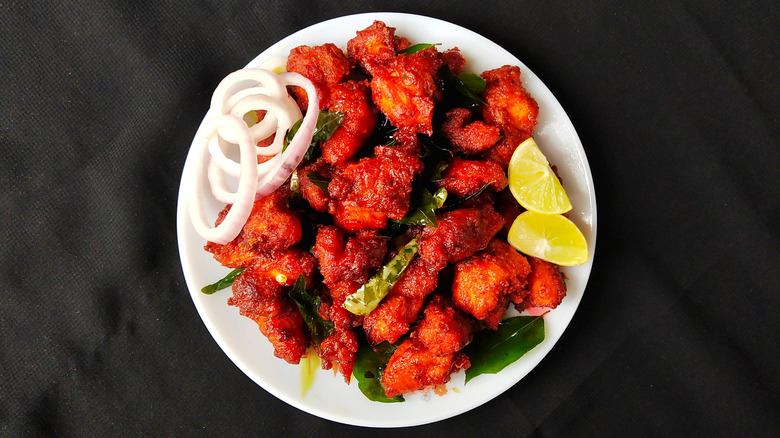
pixel 345 263
pixel 315 195
pixel 340 347
pixel 484 281
pixel 271 227
pixel 401 307
pixel 460 233
pixel 465 177
pixel 467 136
pixel 366 193
pixel 324 66
pixel 509 106
pixel 406 87
pixel 502 151
pixel 260 296
pixel 431 354
pixel 454 60
pixel 354 258
pixel 352 99
pixel 373 45
pixel 546 286
pixel 444 329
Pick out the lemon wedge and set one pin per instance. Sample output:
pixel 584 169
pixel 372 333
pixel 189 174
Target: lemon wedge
pixel 549 237
pixel 533 182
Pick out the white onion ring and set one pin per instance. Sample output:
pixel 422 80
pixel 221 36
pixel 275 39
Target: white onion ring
pixel 239 93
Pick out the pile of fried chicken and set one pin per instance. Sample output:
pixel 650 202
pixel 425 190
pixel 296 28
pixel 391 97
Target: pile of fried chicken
pixel 464 276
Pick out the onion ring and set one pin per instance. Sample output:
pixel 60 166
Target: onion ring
pixel 241 92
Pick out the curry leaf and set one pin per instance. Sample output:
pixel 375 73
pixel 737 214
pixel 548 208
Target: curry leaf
pixel 468 85
pixel 416 48
pixel 492 350
pixel 319 181
pixel 223 283
pixel 425 213
pixel 457 202
pixel 327 123
pixel 309 305
pixel 368 368
pixel 365 299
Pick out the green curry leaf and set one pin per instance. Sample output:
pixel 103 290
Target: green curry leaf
pixel 327 123
pixel 319 181
pixel 223 283
pixel 416 48
pixel 365 299
pixel 425 213
pixel 369 364
pixel 492 350
pixel 309 305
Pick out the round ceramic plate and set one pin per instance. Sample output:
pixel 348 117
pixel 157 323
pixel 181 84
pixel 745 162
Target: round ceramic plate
pixel 329 396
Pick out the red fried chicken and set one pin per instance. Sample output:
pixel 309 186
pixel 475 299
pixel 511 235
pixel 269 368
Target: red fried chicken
pixel 373 45
pixel 431 354
pixel 271 227
pixel 465 135
pixel 400 308
pixel 366 193
pixel 345 264
pixel 324 66
pixel 484 281
pixel 351 98
pixel 261 294
pixel 466 177
pixel 546 286
pixel 406 87
pixel 510 108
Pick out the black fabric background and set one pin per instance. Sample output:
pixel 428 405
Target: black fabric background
pixel 676 104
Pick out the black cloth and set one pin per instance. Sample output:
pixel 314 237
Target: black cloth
pixel 676 104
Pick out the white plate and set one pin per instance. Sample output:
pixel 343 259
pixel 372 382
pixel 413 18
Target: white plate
pixel 330 397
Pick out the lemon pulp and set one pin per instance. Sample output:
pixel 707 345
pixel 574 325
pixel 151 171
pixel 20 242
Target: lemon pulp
pixel 549 237
pixel 533 182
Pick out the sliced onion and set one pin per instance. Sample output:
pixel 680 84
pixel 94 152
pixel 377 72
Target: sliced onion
pixel 239 93
pixel 239 212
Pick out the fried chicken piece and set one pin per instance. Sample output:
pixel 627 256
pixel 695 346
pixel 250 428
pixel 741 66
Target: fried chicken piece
pixel 460 234
pixel 355 258
pixel 444 329
pixel 508 104
pixel 271 227
pixel 352 99
pixel 261 296
pixel 324 66
pixel 510 108
pixel 502 151
pixel 454 60
pixel 340 347
pixel 467 136
pixel 413 367
pixel 373 45
pixel 431 354
pixel 509 208
pixel 316 196
pixel 406 87
pixel 401 307
pixel 366 193
pixel 465 177
pixel 483 282
pixel 345 264
pixel 546 286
